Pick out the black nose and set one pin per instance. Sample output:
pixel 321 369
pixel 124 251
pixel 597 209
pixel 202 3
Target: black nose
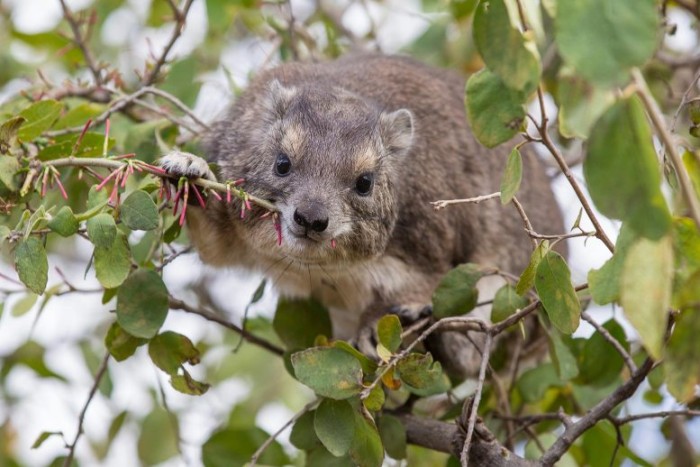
pixel 312 216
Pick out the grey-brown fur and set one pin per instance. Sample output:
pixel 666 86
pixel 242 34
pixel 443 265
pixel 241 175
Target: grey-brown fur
pixel 335 121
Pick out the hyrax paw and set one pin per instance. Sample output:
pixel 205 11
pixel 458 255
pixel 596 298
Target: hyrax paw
pixel 411 313
pixel 184 164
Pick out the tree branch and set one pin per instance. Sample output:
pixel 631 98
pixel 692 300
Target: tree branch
pixel 594 415
pixel 81 419
pixel 176 304
pixel 447 437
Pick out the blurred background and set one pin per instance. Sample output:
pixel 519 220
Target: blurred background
pixel 50 348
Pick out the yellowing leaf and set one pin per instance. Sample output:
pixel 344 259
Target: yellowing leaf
pixel 645 291
pixel 330 372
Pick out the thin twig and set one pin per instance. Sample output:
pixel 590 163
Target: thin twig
pixel 540 236
pixel 441 204
pixel 661 129
pixel 684 101
pixel 526 220
pixel 662 414
pixel 176 304
pixel 112 164
pixel 180 19
pixel 611 339
pixel 566 170
pixel 79 40
pixel 98 378
pixel 308 407
pixel 464 458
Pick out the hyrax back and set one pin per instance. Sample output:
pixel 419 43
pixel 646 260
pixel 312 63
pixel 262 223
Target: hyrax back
pixel 351 152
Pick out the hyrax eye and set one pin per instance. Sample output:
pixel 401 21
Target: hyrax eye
pixel 363 184
pixel 283 165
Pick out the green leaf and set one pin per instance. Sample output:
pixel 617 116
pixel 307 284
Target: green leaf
pixel 562 357
pixel 512 175
pixel 645 290
pixel 170 350
pixel 330 372
pixel 580 104
pixel 682 356
pixel 367 449
pixel 559 299
pixel 113 263
pixel 604 283
pixel 235 446
pixel 102 230
pixel 24 304
pixel 691 162
pixel 369 366
pixel 603 444
pixel 456 294
pixel 142 303
pixel 506 302
pixel 534 382
pixel 185 384
pixel 299 322
pixel 64 222
pixel 92 144
pixel 9 130
pixel 9 168
pixel 120 344
pixel 303 435
pixel 139 212
pixel 527 278
pixel 389 332
pixel 393 435
pixel 599 362
pixel 40 116
pixel 44 436
pixel 418 370
pixel 32 264
pixel 181 80
pixel 496 112
pixel 334 424
pixel 622 171
pixel 158 440
pixel 375 400
pixel 602 40
pixel 507 52
pixel 79 115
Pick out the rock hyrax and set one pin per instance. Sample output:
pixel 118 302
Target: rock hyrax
pixel 351 152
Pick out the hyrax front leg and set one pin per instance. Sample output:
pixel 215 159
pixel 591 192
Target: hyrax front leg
pixel 184 164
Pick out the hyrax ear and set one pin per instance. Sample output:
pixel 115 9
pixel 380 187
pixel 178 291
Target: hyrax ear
pixel 279 97
pixel 396 129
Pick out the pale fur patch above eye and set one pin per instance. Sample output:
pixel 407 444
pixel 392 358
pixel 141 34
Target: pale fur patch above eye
pixel 293 139
pixel 365 160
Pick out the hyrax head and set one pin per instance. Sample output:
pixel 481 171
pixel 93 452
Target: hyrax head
pixel 328 159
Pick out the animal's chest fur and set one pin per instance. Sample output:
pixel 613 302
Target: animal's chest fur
pixel 347 290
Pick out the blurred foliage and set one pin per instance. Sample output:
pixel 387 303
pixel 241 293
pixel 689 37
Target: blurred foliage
pixel 76 173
